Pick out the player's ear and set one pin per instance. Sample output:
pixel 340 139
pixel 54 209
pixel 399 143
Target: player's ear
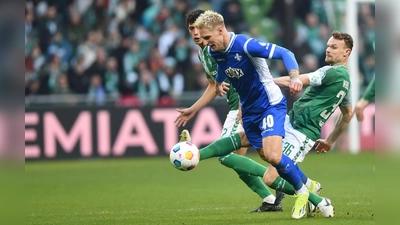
pixel 348 51
pixel 220 29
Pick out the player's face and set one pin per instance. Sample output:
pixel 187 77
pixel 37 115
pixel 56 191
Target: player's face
pixel 336 52
pixel 195 34
pixel 212 38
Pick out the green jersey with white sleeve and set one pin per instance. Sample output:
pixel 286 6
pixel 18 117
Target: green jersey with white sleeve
pixel 329 88
pixel 210 67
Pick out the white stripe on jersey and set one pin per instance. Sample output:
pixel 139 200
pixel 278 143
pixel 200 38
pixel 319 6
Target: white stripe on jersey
pixel 264 75
pixel 230 45
pixel 271 53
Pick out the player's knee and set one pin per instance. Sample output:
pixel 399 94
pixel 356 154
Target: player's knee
pixel 273 158
pixel 241 151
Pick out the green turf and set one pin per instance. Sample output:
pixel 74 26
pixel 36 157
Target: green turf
pixel 151 191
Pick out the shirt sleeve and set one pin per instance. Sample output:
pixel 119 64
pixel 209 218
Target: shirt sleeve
pixel 317 76
pixel 256 48
pixel 369 94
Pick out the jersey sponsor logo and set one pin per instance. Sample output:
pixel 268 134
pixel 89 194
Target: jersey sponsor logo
pixel 238 57
pixel 234 72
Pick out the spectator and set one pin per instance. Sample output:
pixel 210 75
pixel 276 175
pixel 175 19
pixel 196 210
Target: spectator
pixel 111 77
pixel 171 82
pixel 234 16
pixel 62 86
pixel 147 88
pixel 96 93
pixel 54 71
pixel 78 77
pixel 76 29
pixel 61 47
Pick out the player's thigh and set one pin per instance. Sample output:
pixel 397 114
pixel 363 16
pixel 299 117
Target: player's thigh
pixel 295 144
pixel 272 148
pixel 272 131
pixel 231 125
pixel 252 131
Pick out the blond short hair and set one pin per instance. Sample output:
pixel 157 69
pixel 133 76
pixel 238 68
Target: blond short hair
pixel 209 19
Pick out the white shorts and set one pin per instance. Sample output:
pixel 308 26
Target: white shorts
pixel 295 144
pixel 231 126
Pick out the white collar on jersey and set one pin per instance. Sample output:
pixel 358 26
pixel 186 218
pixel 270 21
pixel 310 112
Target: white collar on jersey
pixel 232 39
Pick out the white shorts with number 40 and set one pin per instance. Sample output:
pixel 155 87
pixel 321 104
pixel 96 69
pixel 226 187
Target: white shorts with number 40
pixel 295 144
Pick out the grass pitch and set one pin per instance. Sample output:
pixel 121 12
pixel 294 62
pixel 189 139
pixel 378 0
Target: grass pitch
pixel 150 191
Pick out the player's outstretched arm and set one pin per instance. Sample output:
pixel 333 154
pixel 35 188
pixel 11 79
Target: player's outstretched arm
pixel 272 51
pixel 188 113
pixel 359 109
pixel 285 81
pixel 368 95
pixel 295 84
pixel 324 145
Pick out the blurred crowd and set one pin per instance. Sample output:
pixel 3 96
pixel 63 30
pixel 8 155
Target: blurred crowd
pixel 139 52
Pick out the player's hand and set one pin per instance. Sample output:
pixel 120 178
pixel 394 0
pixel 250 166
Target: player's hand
pixel 295 85
pixel 359 110
pixel 221 88
pixel 184 116
pixel 322 146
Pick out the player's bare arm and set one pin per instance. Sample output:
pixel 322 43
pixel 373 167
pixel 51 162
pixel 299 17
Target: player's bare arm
pixel 285 81
pixel 324 145
pixel 359 110
pixel 188 113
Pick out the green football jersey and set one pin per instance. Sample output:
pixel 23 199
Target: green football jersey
pixel 210 66
pixel 329 88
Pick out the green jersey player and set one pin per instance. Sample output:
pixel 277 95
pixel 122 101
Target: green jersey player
pixel 328 88
pixel 232 122
pixel 364 101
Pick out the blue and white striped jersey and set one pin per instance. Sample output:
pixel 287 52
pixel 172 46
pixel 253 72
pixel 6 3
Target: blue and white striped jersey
pixel 243 62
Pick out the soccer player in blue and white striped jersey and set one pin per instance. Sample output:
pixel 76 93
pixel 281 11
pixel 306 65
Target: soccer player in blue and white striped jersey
pixel 242 60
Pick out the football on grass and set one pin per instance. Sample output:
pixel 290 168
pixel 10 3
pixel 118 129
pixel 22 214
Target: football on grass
pixel 184 156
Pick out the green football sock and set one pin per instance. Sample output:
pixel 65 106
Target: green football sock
pixel 282 185
pixel 220 147
pixel 249 172
pixel 256 184
pixel 314 199
pixel 243 164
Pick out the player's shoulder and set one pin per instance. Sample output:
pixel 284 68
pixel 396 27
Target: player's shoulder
pixel 342 71
pixel 241 38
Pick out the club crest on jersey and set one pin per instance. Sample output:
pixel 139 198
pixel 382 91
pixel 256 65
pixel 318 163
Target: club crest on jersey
pixel 234 72
pixel 238 57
